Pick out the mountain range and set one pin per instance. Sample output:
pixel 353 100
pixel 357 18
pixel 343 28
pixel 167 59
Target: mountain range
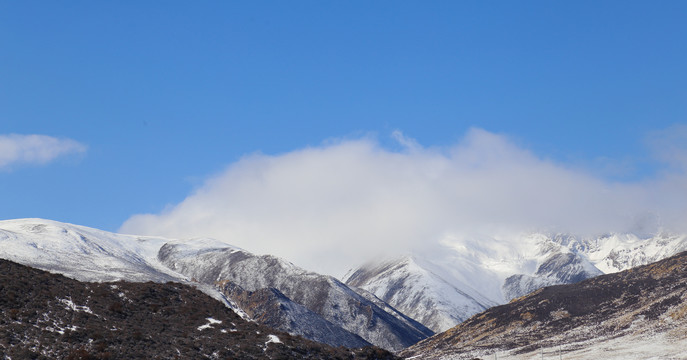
pixel 392 303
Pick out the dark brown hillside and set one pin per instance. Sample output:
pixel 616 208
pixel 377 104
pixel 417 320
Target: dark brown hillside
pixel 650 299
pixel 49 316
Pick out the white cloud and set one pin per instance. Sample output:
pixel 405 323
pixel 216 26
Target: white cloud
pixel 34 149
pixel 327 208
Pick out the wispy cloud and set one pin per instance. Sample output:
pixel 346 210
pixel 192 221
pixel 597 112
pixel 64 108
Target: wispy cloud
pixel 18 149
pixel 329 207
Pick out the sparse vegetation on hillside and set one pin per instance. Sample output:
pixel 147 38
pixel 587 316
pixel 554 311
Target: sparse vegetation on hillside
pixel 49 316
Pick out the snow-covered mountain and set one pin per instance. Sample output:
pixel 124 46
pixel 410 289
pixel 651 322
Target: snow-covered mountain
pixel 466 275
pixel 93 255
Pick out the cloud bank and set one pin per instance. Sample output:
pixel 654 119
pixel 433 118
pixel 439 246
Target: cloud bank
pixel 330 207
pixel 34 149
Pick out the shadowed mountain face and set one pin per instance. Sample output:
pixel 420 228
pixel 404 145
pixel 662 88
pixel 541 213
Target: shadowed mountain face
pixel 321 295
pixel 49 316
pixel 648 302
pixel 268 306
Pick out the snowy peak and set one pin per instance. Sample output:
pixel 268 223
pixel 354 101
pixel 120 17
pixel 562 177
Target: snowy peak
pixel 418 292
pixel 617 252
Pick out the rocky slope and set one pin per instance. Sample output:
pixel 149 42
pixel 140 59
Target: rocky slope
pixel 49 316
pixel 323 295
pixel 644 306
pixel 268 306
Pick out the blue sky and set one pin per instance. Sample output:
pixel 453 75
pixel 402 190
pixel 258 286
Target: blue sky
pixel 160 97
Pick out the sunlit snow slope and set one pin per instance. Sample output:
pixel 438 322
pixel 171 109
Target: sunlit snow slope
pixel 83 253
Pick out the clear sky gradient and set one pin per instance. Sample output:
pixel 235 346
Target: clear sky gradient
pixel 157 97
